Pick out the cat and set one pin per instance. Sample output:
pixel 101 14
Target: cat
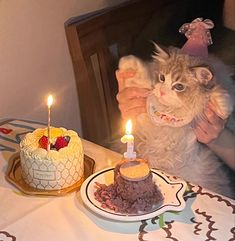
pixel 181 86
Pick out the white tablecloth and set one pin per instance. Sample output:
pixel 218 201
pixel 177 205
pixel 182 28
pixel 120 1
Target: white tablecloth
pixel 207 216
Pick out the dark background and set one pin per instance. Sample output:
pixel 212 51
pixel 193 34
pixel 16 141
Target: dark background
pixel 172 17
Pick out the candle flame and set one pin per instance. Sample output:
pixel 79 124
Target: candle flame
pixel 49 100
pixel 128 127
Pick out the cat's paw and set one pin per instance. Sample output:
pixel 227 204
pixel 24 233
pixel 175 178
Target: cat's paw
pixel 222 102
pixel 139 74
pixel 130 62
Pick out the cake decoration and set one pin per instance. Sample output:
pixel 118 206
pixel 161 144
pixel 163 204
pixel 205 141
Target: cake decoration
pixel 54 132
pixel 129 139
pixel 43 142
pixel 49 104
pixel 57 141
pixel 61 142
pixel 136 170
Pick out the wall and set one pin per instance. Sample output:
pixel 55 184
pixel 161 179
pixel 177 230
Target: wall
pixel 35 61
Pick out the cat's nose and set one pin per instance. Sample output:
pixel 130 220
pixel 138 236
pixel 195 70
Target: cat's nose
pixel 162 92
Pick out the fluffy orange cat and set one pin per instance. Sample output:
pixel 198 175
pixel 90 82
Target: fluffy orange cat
pixel 181 86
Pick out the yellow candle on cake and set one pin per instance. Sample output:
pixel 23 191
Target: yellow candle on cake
pixel 49 104
pixel 129 139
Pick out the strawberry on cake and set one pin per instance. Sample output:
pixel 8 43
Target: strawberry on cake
pixel 59 167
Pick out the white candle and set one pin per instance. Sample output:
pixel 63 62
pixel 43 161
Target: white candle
pixel 49 104
pixel 129 139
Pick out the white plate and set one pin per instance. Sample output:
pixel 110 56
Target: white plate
pixel 172 193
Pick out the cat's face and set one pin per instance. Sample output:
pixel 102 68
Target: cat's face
pixel 181 88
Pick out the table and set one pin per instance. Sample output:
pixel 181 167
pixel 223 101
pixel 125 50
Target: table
pixel 207 215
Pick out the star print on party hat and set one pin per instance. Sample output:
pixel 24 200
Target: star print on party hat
pixel 198 35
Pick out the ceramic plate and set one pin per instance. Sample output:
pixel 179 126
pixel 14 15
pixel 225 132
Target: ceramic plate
pixel 172 193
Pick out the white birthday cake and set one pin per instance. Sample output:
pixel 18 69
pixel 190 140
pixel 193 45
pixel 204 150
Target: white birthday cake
pixel 59 167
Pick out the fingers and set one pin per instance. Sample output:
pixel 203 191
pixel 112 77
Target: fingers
pixel 132 101
pixel 202 135
pixel 133 113
pixel 209 127
pixel 130 93
pixel 133 108
pixel 214 119
pixel 219 112
pixel 133 104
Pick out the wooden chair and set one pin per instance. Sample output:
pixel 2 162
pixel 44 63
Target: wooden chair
pixel 96 42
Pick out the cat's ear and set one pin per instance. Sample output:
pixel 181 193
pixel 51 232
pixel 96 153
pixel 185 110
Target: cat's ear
pixel 202 74
pixel 159 53
pixel 219 97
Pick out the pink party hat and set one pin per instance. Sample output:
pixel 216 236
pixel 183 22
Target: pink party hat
pixel 198 34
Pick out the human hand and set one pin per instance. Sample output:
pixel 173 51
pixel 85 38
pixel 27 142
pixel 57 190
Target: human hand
pixel 208 128
pixel 132 100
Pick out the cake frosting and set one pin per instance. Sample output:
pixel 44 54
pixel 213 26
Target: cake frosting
pixel 51 169
pixel 135 170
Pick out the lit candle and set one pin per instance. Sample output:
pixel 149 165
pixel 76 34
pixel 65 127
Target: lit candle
pixel 49 104
pixel 129 139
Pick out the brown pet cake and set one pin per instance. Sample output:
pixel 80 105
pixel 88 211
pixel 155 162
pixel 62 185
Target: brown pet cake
pixel 133 190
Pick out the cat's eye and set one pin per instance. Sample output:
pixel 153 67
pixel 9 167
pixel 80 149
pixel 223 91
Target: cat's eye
pixel 161 78
pixel 178 87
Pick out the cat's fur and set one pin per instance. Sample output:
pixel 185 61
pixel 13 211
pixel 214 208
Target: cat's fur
pixel 176 149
